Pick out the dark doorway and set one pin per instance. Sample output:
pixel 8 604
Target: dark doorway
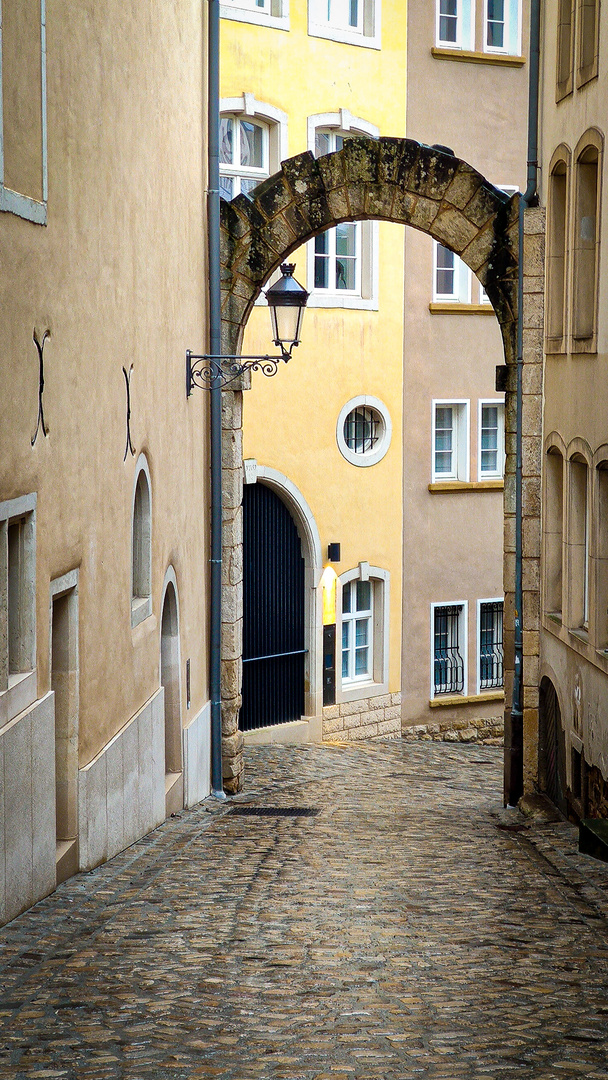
pixel 273 612
pixel 552 758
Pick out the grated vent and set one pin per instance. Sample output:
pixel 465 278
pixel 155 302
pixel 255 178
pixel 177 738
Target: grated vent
pixel 274 811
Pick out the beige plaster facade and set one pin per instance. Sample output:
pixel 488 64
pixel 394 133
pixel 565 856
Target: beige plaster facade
pixel 103 515
pixel 567 755
pixel 474 102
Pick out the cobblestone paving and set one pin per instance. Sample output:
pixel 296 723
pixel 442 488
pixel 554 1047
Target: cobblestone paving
pixel 410 929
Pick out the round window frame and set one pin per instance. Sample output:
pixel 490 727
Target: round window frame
pixel 371 457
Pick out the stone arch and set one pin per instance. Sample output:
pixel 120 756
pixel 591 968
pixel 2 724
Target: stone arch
pixel 384 179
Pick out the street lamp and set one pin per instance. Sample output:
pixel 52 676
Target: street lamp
pixel 286 301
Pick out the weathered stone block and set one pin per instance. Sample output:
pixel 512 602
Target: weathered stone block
pixel 392 713
pixel 361 160
pixel 432 173
pixel 478 252
pixel 330 726
pixel 337 201
pixel 483 205
pixel 421 215
pixel 464 185
pixel 368 732
pixel 396 698
pixel 389 727
pixel 330 712
pixel 383 701
pixel 331 168
pixel 403 206
pixel 534 311
pixel 348 708
pixel 232 677
pixel 232 640
pixel 303 175
pixel 354 720
pixel 451 229
pixel 272 195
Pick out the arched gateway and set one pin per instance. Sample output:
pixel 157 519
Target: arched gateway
pixel 384 179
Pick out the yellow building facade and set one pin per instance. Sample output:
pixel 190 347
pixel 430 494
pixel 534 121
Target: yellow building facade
pixel 325 434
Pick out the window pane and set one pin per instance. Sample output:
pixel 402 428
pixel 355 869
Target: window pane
pixel 226 188
pixel 361 630
pixel 345 239
pixel 345 649
pixel 448 21
pixel 252 145
pixel 248 185
pixel 363 596
pixel 361 661
pixel 322 244
pixel 446 271
pixel 322 143
pixel 321 272
pixel 361 430
pixel 226 140
pixel 496 24
pixel 346 599
pixel 353 14
pixel 345 274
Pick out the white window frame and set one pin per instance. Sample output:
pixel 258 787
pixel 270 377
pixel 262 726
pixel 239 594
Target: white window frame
pixel 14 202
pixel 359 687
pixel 373 456
pixel 512 35
pixel 465 26
pixel 499 473
pixel 461 447
pixel 461 293
pixel 141 602
pixel 367 34
pixel 487 600
pixel 237 172
pixel 19 687
pixel 274 14
pixel 463 633
pixel 247 107
pixel 366 298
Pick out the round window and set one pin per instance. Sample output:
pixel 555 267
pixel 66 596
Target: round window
pixel 363 431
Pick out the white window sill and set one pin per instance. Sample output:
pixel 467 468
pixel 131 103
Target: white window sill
pixel 14 203
pixel 345 37
pixel 354 691
pixel 141 608
pixel 21 693
pixel 257 18
pixel 337 300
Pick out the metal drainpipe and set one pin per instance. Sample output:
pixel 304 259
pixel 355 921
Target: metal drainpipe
pixel 215 348
pixel 514 777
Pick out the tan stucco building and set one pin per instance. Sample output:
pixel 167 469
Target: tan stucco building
pixel 467 90
pixel 569 759
pixel 103 473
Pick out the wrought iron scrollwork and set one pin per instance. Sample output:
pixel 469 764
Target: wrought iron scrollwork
pixel 208 372
pixel 40 421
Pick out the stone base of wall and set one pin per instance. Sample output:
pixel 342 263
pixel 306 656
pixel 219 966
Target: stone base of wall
pixel 487 730
pixel 368 718
pixel 597 794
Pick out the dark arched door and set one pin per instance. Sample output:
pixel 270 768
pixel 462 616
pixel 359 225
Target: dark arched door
pixel 552 762
pixel 273 612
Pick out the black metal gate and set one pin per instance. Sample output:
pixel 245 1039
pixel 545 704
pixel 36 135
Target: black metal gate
pixel 273 612
pixel 552 755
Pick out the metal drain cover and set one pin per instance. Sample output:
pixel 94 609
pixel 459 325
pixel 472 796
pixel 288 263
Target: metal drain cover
pixel 274 811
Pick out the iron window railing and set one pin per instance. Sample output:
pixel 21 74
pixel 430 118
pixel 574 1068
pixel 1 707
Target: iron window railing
pixel 490 645
pixel 448 662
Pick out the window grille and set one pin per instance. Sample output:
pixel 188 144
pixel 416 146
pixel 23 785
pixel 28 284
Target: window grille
pixel 362 429
pixel 448 661
pixel 490 645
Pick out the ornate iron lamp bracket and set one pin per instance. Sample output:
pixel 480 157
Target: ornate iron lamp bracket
pixel 208 372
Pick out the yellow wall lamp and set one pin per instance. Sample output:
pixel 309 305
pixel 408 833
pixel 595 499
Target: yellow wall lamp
pixel 287 300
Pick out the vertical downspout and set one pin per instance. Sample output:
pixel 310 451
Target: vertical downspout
pixel 514 764
pixel 215 348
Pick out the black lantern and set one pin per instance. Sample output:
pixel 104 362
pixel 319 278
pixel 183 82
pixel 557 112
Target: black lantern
pixel 286 300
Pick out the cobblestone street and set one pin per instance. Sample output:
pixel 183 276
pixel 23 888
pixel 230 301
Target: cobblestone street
pixel 410 929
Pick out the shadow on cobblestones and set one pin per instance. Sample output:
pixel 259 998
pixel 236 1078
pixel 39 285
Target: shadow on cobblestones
pixel 397 933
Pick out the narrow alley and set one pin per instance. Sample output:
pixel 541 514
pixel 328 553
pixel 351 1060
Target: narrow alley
pixel 406 926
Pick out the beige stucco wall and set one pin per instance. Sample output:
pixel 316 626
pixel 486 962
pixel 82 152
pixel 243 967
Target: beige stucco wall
pixel 576 391
pixel 118 277
pixel 452 542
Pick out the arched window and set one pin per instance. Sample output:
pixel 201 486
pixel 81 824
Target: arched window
pixel 578 543
pixel 141 559
pixel 586 242
pixel 600 515
pixel 554 504
pixel 556 251
pixel 252 144
pixel 342 261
